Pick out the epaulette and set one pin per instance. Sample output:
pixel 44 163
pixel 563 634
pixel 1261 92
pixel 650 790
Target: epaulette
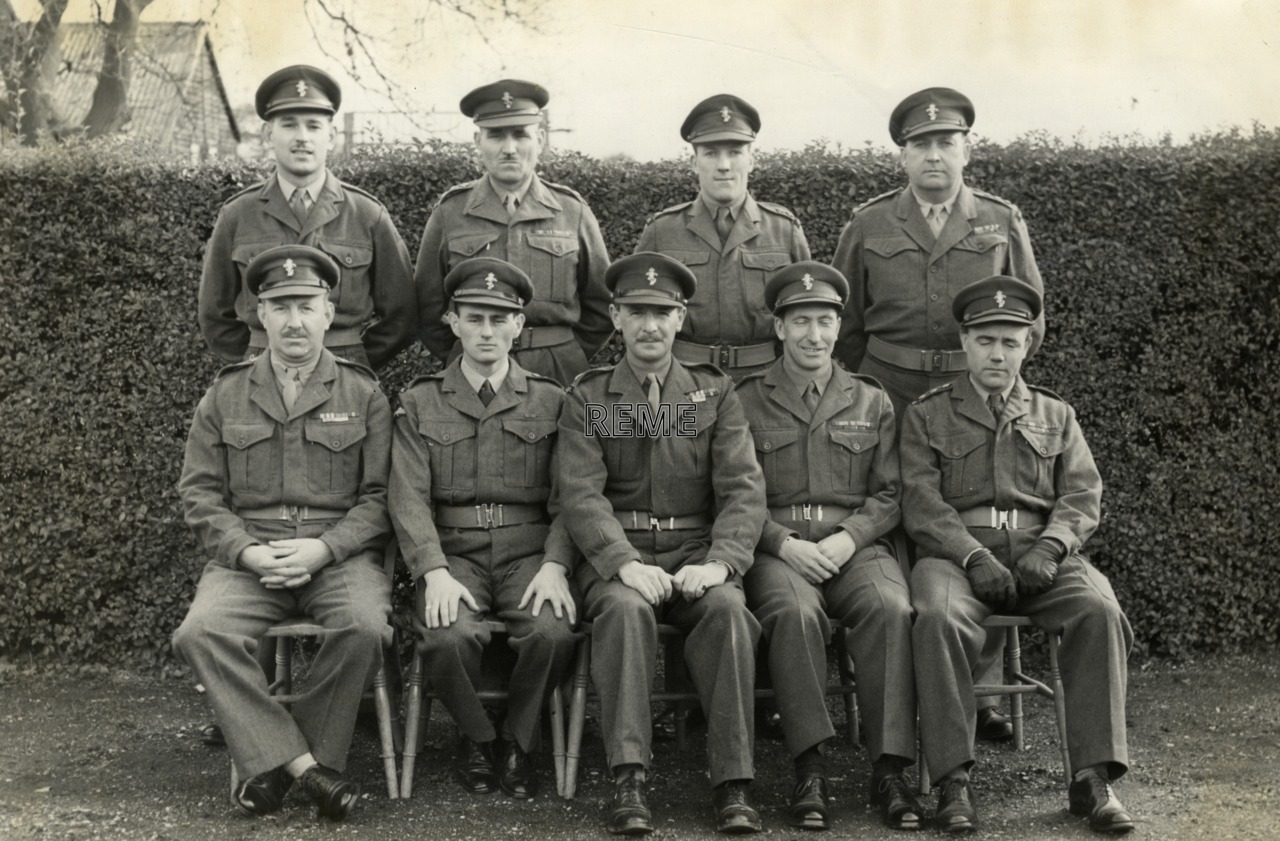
pixel 705 366
pixel 666 211
pixel 234 366
pixel 586 375
pixel 778 209
pixel 361 191
pixel 252 188
pixel 359 366
pixel 878 198
pixel 867 378
pixel 422 378
pixel 543 378
pixel 754 375
pixel 933 391
pixel 1044 390
pixel 562 188
pixel 465 186
pixel 995 199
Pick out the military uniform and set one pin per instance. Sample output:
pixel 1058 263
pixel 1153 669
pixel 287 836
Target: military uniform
pixel 728 310
pixel 453 456
pixel 254 472
pixel 972 482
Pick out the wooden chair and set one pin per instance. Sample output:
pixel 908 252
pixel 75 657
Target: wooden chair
pixel 418 714
pixel 285 633
pixel 678 690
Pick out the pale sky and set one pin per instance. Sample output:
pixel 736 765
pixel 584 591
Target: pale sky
pixel 624 73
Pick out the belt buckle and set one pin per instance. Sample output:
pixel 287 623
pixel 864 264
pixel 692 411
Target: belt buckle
pixel 806 512
pixel 1001 520
pixel 515 343
pixel 293 513
pixel 485 518
pixel 725 354
pixel 655 523
pixel 936 361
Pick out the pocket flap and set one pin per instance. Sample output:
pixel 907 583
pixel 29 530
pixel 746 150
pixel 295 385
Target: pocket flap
pixel 244 435
pixel 553 245
pixel 981 242
pixel 348 256
pixel 335 436
pixel 446 433
pixel 468 245
pixel 959 445
pixel 530 430
pixel 889 246
pixel 768 260
pixel 772 440
pixel 1045 442
pixel 856 441
pixel 690 258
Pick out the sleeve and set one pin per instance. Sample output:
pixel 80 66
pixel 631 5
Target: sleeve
pixel 587 513
pixel 395 300
pixel 1022 265
pixel 738 482
pixel 648 237
pixel 880 513
pixel 931 522
pixel 366 526
pixel 409 494
pixel 774 535
pixel 428 279
pixel 226 335
pixel 799 244
pixel 594 325
pixel 205 490
pixel 1078 486
pixel 851 345
pixel 559 547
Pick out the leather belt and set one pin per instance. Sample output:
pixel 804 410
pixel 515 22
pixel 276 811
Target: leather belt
pixel 725 356
pixel 292 513
pixel 490 515
pixel 987 517
pixel 932 361
pixel 531 337
pixel 808 512
pixel 645 521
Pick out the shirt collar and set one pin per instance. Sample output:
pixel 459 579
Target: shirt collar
pixel 313 189
pixel 712 207
pixel 476 379
pixel 285 372
pixel 801 379
pixel 503 192
pixel 946 205
pixel 661 375
pixel 984 394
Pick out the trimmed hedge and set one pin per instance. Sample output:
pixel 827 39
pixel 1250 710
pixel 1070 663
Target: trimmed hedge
pixel 1160 263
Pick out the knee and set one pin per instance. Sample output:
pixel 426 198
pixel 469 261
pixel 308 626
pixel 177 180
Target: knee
pixel 459 640
pixel 627 610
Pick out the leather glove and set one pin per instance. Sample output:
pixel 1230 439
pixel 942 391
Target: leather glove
pixel 991 581
pixel 1037 568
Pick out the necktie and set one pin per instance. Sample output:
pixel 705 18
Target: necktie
pixel 811 397
pixel 486 393
pixel 511 203
pixel 300 204
pixel 995 402
pixel 937 218
pixel 654 390
pixel 292 387
pixel 724 225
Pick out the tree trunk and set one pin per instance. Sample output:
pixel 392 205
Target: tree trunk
pixel 33 98
pixel 109 111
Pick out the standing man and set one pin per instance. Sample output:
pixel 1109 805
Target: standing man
pixel 999 493
pixel 826 441
pixel 732 243
pixel 544 229
pixel 662 494
pixel 471 474
pixel 374 304
pixel 285 485
pixel 907 254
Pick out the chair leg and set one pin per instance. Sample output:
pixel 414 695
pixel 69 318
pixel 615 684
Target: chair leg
pixel 235 783
pixel 925 784
pixel 382 705
pixel 284 667
pixel 412 721
pixel 1059 703
pixel 577 717
pixel 1013 653
pixel 845 668
pixel 556 703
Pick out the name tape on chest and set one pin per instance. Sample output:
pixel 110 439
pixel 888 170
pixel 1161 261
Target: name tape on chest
pixel 852 424
pixel 338 417
pixel 702 394
pixel 987 229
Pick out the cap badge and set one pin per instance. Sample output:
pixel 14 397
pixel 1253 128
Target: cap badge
pixel 724 114
pixel 490 281
pixel 807 280
pixel 302 88
pixel 1000 299
pixel 933 111
pixel 289 266
pixel 651 276
pixel 506 99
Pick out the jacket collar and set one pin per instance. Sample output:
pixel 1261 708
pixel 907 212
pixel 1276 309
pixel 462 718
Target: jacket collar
pixel 464 399
pixel 265 392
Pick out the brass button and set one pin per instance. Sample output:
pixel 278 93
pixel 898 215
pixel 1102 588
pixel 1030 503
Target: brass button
pixel 557 248
pixel 933 297
pixel 336 442
pixel 856 446
pixel 532 436
pixel 768 445
pixel 348 259
pixel 242 440
pixel 1044 451
pixel 444 437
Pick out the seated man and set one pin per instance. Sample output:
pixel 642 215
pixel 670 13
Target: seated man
pixel 285 484
pixel 471 474
pixel 825 439
pixel 662 494
pixel 999 493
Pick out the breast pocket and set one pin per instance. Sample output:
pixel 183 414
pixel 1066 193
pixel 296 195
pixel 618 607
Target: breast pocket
pixel 466 246
pixel 452 451
pixel 251 455
pixel 692 453
pixel 526 452
pixel 778 451
pixel 975 257
pixel 355 260
pixel 757 267
pixel 1038 449
pixel 333 456
pixel 697 262
pixel 553 267
pixel 895 267
pixel 851 454
pixel 964 459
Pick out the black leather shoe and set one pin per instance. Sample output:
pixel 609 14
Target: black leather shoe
pixel 475 767
pixel 898 807
pixel 211 735
pixel 630 814
pixel 335 796
pixel 810 803
pixel 1092 796
pixel 994 726
pixel 734 812
pixel 264 794
pixel 955 808
pixel 518 778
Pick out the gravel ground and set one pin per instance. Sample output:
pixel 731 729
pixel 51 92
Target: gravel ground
pixel 115 755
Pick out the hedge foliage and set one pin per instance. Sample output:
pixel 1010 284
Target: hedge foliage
pixel 1160 263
